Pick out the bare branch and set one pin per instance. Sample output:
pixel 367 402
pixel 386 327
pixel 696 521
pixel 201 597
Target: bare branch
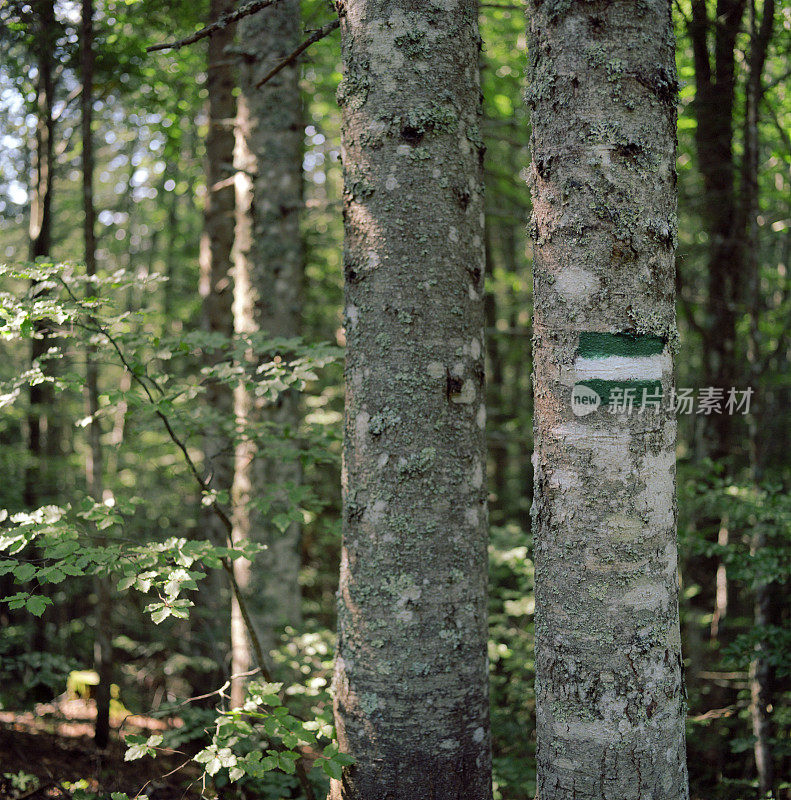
pixel 291 57
pixel 222 22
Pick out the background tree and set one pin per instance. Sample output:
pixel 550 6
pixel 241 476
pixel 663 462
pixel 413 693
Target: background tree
pixel 268 270
pixel 94 460
pixel 216 266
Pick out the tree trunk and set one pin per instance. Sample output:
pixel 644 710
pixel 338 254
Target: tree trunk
pixel 411 696
pixel 40 225
pixel 102 649
pixel 762 669
pixel 216 290
pixel 609 697
pixel 216 286
pixel 715 86
pixel 268 269
pixel 41 439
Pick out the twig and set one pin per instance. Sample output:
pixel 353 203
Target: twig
pixel 221 689
pixel 714 713
pixel 291 57
pixel 223 22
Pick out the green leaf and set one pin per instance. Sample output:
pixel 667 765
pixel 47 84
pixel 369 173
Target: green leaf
pixel 135 751
pixel 126 583
pixel 332 768
pixel 161 614
pixel 52 575
pixel 24 572
pixel 36 604
pixel 268 763
pixel 139 746
pixel 281 522
pixel 204 756
pixel 287 762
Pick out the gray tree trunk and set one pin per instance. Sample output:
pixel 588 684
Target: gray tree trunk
pixel 268 269
pixel 609 695
pixel 216 284
pixel 94 478
pixel 216 290
pixel 411 694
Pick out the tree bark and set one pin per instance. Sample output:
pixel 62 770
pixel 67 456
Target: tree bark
pixel 43 431
pixel 411 694
pixel 609 697
pixel 42 439
pixel 216 284
pixel 715 87
pixel 103 660
pixel 216 287
pixel 268 269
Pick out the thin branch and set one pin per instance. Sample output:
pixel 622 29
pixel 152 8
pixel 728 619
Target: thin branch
pixel 767 87
pixel 779 125
pixel 73 95
pixel 222 688
pixel 291 57
pixel 222 22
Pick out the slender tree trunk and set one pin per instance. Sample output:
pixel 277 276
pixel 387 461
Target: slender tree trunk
pixel 102 650
pixel 762 671
pixel 42 430
pixel 713 43
pixel 40 225
pixel 268 269
pixel 216 284
pixel 171 239
pixel 498 449
pixel 216 281
pixel 609 697
pixel 411 694
pixel 41 434
pixel 720 583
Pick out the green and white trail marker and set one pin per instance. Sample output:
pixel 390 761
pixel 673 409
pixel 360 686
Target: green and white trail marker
pixel 608 366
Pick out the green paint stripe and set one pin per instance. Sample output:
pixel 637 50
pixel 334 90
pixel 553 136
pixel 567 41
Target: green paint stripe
pixel 601 345
pixel 604 389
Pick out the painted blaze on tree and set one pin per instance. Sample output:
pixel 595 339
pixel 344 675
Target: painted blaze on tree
pixel 609 698
pixel 411 672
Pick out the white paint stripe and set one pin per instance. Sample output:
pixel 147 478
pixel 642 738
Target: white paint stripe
pixel 623 368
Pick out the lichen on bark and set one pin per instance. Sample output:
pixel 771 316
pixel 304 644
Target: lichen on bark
pixel 411 702
pixel 609 698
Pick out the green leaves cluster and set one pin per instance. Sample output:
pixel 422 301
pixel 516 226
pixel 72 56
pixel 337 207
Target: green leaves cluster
pixel 87 540
pixel 262 736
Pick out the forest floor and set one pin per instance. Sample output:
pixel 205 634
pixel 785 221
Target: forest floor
pixel 49 753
